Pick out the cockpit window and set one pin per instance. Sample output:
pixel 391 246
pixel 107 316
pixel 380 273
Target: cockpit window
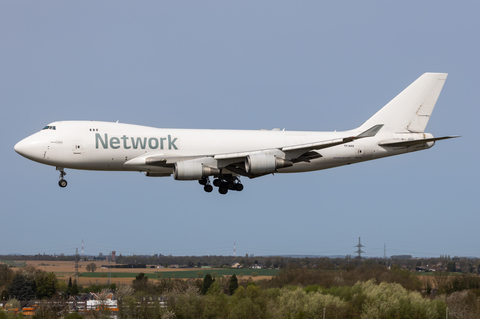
pixel 49 128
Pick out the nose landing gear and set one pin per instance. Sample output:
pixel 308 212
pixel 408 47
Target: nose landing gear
pixel 62 183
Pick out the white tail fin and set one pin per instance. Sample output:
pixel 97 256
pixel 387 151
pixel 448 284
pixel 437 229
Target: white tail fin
pixel 410 110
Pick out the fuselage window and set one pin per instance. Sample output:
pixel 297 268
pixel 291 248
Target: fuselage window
pixel 49 128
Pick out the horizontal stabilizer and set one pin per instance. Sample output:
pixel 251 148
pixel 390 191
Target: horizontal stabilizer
pixel 415 142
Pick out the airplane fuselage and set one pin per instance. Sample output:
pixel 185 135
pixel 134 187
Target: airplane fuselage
pixel 93 145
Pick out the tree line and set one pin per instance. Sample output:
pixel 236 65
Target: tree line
pixel 363 290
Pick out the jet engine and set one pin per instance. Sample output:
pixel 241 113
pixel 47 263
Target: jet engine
pixel 263 163
pixel 192 171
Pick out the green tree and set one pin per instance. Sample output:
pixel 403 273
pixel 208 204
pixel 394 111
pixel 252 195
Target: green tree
pixel 6 275
pixel 61 286
pixel 91 267
pixel 451 267
pixel 233 285
pixel 46 285
pixel 140 283
pixel 75 289
pixel 207 282
pixel 68 291
pixel 215 302
pixel 21 288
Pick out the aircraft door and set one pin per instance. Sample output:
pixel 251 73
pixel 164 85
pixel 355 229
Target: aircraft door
pixel 359 151
pixel 77 147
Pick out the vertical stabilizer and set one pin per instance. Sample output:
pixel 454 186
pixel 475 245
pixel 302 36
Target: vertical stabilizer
pixel 410 110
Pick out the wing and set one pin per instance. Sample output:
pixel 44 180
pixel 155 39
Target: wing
pixel 246 163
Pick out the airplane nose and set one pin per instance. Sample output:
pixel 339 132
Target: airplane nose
pixel 31 148
pixel 20 148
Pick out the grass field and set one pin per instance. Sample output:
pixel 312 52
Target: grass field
pixel 66 269
pixel 13 263
pixel 185 273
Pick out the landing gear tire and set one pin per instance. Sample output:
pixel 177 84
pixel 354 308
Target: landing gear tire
pixel 217 182
pixel 203 181
pixel 223 190
pixel 61 182
pixel 208 188
pixel 239 187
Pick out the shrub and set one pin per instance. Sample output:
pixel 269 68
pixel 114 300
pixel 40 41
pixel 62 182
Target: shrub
pixel 391 300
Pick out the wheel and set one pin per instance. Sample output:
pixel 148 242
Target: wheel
pixel 231 186
pixel 223 190
pixel 239 187
pixel 208 188
pixel 216 182
pixel 62 183
pixel 202 181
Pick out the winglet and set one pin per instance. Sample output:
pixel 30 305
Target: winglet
pixel 370 132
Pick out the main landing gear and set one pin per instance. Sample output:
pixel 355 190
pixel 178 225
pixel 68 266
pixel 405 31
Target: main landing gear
pixel 206 185
pixel 224 184
pixel 62 183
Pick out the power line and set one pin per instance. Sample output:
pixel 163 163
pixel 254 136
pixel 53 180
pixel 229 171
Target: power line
pixel 359 251
pixel 76 265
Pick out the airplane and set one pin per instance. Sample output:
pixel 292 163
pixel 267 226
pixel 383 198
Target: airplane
pixel 226 155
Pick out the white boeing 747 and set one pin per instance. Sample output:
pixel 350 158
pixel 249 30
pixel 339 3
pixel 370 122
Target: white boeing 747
pixel 225 155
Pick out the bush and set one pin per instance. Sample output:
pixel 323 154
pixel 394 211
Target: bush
pixel 327 278
pixel 298 304
pixel 451 284
pixel 391 300
pixel 464 304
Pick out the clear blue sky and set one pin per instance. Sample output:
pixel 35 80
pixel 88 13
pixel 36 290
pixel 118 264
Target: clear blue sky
pixel 299 65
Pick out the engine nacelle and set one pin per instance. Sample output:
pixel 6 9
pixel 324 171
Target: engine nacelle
pixel 263 163
pixel 192 171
